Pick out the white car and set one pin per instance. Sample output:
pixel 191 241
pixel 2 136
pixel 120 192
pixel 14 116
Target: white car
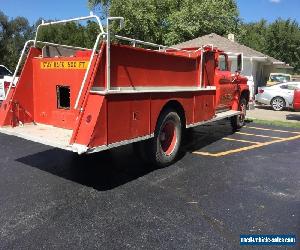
pixel 6 77
pixel 279 96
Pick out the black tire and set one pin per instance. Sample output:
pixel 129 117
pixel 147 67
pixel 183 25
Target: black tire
pixel 278 103
pixel 164 147
pixel 238 121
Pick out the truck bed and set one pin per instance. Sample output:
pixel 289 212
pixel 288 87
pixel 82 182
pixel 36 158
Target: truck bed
pixel 45 134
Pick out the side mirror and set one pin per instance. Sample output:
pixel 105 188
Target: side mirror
pixel 240 62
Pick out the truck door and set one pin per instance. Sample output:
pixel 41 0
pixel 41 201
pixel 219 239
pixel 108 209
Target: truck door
pixel 225 87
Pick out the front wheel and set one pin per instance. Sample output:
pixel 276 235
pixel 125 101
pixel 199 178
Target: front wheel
pixel 278 103
pixel 238 121
pixel 165 145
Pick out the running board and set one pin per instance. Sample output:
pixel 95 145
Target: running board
pixel 218 116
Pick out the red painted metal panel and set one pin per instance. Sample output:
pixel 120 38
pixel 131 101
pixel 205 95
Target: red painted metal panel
pixel 158 101
pixel 45 91
pixel 99 136
pixel 139 67
pixel 19 105
pixel 204 106
pixel 128 117
pixel 93 122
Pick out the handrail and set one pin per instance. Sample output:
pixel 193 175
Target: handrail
pixel 62 45
pixel 91 16
pixel 17 68
pixel 134 41
pixel 87 70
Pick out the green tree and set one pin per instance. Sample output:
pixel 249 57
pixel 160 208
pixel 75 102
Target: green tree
pixel 254 35
pixel 198 18
pixel 173 21
pixel 283 42
pixel 13 34
pixel 73 34
pixel 280 39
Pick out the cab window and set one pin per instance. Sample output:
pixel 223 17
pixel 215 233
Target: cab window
pixel 223 64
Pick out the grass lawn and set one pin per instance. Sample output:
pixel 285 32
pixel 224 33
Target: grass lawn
pixel 275 123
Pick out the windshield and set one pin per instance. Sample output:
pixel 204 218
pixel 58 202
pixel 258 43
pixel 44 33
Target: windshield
pixel 280 78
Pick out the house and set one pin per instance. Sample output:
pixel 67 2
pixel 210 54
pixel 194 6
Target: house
pixel 256 65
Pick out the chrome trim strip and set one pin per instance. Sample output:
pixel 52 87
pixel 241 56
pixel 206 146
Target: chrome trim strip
pixel 81 149
pixel 165 89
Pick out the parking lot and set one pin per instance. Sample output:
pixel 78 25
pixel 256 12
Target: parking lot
pixel 226 185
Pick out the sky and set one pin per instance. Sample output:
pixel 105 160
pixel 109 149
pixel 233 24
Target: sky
pixel 250 10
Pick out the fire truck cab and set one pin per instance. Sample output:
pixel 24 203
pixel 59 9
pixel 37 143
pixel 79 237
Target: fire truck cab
pixel 90 100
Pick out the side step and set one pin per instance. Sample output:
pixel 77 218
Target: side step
pixel 223 115
pixel 218 116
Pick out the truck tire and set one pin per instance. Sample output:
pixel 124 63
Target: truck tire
pixel 278 103
pixel 238 121
pixel 164 147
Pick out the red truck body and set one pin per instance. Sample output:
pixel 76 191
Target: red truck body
pixel 296 103
pixel 120 100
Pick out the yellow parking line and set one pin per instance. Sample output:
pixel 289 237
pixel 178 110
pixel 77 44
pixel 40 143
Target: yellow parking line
pixel 264 136
pixel 274 130
pixel 232 139
pixel 247 148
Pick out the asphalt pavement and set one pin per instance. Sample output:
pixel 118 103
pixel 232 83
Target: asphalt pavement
pixel 226 185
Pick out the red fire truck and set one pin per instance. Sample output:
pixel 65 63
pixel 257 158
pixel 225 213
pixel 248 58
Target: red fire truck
pixel 90 100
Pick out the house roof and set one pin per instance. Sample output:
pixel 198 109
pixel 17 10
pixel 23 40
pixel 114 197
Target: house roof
pixel 227 46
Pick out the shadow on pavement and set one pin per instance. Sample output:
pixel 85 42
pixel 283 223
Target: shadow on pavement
pixel 293 117
pixel 101 171
pixel 110 169
pixel 200 137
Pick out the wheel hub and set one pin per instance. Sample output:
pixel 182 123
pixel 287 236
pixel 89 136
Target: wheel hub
pixel 278 104
pixel 168 138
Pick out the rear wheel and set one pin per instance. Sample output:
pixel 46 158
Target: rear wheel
pixel 164 147
pixel 238 121
pixel 278 103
